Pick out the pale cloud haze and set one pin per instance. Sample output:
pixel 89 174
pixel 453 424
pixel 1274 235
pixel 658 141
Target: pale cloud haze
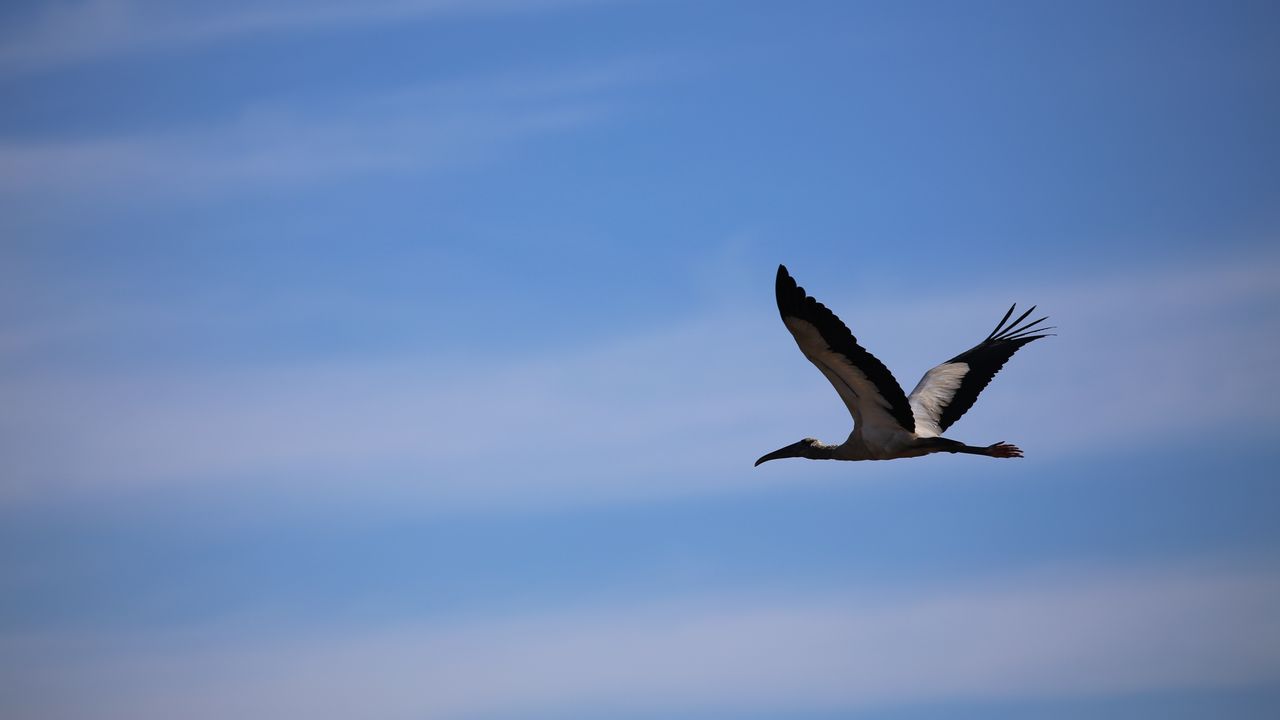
pixel 1092 634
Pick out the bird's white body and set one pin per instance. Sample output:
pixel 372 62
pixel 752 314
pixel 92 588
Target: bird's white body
pixel 887 424
pixel 879 445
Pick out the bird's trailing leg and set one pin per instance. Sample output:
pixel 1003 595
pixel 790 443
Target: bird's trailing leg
pixel 1001 449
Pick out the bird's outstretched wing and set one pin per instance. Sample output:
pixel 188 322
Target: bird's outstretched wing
pixel 948 391
pixel 867 387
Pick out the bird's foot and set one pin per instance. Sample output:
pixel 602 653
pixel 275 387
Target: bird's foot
pixel 1003 450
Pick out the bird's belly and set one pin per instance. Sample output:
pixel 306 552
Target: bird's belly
pixel 910 452
pixel 887 445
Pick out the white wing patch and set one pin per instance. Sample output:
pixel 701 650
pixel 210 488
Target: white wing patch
pixel 860 395
pixel 933 394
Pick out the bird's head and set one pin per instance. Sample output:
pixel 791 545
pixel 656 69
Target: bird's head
pixel 804 448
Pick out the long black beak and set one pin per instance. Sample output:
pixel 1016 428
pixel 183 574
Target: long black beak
pixel 792 450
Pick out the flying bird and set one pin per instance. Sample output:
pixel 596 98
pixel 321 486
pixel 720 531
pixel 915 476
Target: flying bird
pixel 887 423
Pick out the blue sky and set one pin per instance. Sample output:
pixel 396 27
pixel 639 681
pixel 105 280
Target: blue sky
pixel 407 359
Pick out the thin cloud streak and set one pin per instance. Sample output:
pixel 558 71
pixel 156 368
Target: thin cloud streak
pixel 93 29
pixel 1079 635
pixel 550 426
pixel 411 131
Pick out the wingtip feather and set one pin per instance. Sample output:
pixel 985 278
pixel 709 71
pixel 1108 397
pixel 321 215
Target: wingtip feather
pixel 1000 324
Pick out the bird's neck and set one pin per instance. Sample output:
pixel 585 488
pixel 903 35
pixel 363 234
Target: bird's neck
pixel 820 452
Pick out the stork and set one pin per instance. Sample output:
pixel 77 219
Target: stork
pixel 888 424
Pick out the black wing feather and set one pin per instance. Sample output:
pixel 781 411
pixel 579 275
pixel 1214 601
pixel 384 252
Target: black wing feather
pixel 986 358
pixel 794 302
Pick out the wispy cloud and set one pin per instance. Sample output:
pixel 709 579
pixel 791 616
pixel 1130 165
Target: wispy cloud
pixel 74 32
pixel 411 130
pixel 550 425
pixel 1079 635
